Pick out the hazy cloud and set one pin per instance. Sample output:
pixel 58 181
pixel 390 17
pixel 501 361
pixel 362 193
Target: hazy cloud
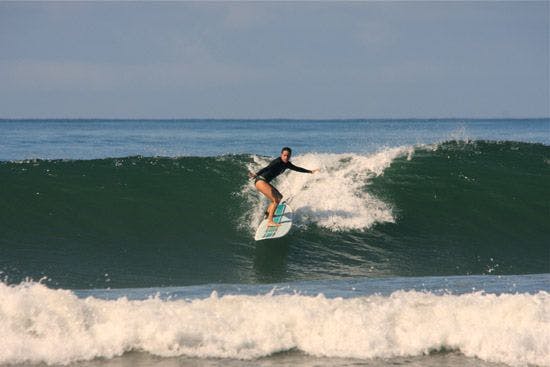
pixel 275 59
pixel 243 16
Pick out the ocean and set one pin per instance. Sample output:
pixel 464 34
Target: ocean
pixel 418 243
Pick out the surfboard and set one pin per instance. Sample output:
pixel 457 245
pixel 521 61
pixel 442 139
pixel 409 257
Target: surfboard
pixel 282 215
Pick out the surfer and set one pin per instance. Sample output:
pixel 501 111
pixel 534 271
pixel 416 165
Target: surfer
pixel 263 177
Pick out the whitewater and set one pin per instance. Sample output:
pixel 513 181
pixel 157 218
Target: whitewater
pixel 57 327
pixel 334 198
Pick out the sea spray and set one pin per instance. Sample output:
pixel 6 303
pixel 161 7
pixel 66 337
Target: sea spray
pixel 335 197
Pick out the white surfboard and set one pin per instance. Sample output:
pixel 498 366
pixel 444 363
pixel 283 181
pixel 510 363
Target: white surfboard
pixel 283 216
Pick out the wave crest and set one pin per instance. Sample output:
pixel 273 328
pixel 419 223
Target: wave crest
pixel 335 197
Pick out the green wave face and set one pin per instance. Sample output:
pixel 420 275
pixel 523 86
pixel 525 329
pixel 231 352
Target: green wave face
pixel 480 207
pixel 137 220
pixel 459 208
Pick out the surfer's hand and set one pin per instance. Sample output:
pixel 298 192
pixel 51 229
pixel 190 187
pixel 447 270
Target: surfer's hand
pixel 315 170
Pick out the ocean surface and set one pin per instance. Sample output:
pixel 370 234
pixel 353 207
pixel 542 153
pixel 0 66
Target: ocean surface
pixel 418 243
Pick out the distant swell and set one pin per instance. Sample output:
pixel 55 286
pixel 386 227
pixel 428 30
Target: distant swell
pixel 55 327
pixel 455 208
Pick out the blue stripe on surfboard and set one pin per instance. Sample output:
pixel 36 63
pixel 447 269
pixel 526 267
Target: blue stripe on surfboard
pixel 277 217
pixel 270 232
pixel 280 209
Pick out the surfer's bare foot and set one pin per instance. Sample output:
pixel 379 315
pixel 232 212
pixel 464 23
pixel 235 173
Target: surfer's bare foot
pixel 273 224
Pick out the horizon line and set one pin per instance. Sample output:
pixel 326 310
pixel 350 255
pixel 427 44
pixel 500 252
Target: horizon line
pixel 262 118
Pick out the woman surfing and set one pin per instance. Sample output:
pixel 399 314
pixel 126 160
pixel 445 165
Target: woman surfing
pixel 263 177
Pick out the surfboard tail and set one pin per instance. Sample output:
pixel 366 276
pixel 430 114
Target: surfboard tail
pixel 283 216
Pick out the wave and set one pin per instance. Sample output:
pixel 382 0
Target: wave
pixel 42 325
pixel 452 208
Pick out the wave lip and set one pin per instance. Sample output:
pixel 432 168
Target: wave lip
pixel 56 327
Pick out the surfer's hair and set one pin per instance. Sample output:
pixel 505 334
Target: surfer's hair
pixel 287 149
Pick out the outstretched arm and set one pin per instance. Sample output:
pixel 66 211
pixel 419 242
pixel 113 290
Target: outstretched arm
pixel 300 169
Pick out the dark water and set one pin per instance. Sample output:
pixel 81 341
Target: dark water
pixel 459 208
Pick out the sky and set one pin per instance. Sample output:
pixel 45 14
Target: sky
pixel 319 60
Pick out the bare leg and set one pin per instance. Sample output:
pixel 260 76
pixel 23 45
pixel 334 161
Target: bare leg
pixel 272 194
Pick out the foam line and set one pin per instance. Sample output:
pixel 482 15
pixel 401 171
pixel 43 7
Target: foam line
pixel 39 324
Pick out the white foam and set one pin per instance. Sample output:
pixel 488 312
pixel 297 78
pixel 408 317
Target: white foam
pixel 335 197
pixel 38 324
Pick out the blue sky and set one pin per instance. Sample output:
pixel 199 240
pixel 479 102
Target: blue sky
pixel 274 60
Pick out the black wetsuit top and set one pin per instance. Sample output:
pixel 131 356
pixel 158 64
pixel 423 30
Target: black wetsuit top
pixel 276 167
